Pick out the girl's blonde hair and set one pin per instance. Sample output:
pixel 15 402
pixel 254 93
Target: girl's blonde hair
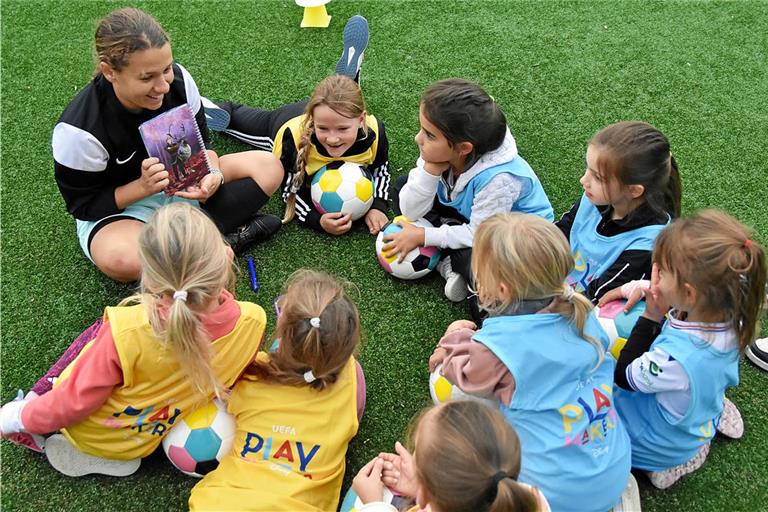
pixel 342 95
pixel 467 458
pixel 181 250
pixel 531 257
pixel 717 255
pixel 318 329
pixel 123 32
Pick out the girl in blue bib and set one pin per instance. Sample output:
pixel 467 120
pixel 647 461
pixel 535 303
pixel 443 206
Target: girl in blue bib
pixel 631 191
pixel 672 379
pixel 542 354
pixel 469 168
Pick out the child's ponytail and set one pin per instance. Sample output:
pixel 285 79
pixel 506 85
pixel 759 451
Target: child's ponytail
pixel 469 459
pixel 302 155
pixel 577 308
pixel 718 256
pixel 637 153
pixel 511 495
pixel 184 266
pixel 318 331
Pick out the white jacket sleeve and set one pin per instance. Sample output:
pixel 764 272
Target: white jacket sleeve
pixel 418 194
pixel 499 195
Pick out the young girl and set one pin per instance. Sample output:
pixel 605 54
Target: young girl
pixel 469 169
pixel 631 191
pixel 296 408
pixel 542 353
pixel 107 180
pixel 155 358
pixel 465 457
pixel 333 125
pixel 673 378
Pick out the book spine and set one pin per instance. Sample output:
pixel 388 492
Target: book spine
pixel 199 136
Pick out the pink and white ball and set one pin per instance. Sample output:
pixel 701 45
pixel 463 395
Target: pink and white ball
pixel 417 263
pixel 197 443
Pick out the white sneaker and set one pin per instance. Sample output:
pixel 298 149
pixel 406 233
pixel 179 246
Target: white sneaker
pixel 630 498
pixel 455 285
pixel 67 459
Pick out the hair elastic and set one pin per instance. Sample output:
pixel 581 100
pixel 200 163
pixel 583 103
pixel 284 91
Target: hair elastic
pixel 309 377
pixel 493 488
pixel 567 292
pixel 747 243
pixel 180 295
pixel 315 322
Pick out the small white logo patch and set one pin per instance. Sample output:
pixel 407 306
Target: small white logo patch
pixel 120 162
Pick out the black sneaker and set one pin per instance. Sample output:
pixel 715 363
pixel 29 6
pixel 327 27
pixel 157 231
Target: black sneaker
pixel 258 229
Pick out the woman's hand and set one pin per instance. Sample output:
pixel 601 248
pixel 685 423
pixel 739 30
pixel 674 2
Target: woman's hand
pixel 336 223
pixel 367 483
pixel 202 191
pixel 375 220
pixel 399 473
pixel 404 241
pixel 154 177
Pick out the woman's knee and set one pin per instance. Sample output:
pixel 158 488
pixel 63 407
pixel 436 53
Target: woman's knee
pixel 115 250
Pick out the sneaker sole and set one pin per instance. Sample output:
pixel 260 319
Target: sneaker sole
pixel 456 290
pixel 760 363
pixel 70 461
pixel 355 39
pixel 216 118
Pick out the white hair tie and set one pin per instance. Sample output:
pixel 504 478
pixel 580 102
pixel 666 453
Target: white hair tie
pixel 568 293
pixel 180 295
pixel 309 377
pixel 315 322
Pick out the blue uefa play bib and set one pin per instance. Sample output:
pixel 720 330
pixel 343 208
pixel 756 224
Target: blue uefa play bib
pixel 532 200
pixel 594 253
pixel 660 441
pixel 574 446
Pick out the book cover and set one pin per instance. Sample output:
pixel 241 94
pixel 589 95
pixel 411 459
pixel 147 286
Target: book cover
pixel 175 139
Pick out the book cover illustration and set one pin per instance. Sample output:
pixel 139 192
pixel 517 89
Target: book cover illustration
pixel 175 139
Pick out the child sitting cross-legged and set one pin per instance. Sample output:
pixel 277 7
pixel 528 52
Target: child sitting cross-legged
pixel 296 408
pixel 673 377
pixel 542 353
pixel 150 361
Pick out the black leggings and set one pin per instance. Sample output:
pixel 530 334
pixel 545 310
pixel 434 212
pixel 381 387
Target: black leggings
pixel 258 127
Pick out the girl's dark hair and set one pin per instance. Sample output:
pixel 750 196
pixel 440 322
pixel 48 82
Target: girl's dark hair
pixel 125 31
pixel 636 153
pixel 469 460
pixel 324 349
pixel 464 112
pixel 717 255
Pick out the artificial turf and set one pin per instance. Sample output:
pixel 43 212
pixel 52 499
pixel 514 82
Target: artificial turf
pixel 559 70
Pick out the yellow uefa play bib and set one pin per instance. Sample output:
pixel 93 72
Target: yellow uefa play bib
pixel 315 160
pixel 155 393
pixel 289 450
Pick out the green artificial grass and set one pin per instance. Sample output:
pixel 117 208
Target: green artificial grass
pixel 559 70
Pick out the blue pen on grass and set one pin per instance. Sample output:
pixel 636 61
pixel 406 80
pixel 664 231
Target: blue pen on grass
pixel 254 280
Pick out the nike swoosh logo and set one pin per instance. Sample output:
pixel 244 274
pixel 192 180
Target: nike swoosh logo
pixel 120 162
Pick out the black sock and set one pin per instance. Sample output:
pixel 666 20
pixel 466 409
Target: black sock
pixel 235 203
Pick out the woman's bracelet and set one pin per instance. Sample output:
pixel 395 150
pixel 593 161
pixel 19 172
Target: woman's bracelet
pixel 217 172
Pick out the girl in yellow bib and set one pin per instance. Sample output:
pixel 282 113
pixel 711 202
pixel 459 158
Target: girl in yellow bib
pixel 154 358
pixel 296 408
